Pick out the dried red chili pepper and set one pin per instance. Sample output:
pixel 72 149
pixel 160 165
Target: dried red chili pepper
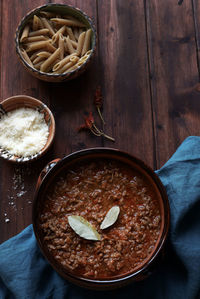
pixel 90 125
pixel 98 101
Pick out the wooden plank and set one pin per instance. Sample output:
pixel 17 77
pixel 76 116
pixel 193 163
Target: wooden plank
pixel 17 182
pixel 174 74
pixel 124 77
pixel 68 102
pixel 196 16
pixel 15 79
pixel 74 99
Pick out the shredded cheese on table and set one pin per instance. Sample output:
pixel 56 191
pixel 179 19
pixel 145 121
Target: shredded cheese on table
pixel 23 132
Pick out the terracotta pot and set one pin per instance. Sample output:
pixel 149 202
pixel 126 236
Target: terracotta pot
pixel 56 167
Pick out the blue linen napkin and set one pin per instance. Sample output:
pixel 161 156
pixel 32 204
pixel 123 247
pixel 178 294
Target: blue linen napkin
pixel 24 273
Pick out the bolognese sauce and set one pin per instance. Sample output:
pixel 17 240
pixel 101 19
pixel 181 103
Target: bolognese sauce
pixel 89 190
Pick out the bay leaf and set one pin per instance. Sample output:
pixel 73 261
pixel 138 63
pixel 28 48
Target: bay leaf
pixel 110 218
pixel 83 228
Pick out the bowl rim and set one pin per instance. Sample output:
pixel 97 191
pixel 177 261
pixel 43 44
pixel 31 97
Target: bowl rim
pixel 162 238
pixel 49 75
pixel 41 106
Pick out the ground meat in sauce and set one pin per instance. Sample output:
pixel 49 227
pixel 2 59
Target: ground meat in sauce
pixel 90 190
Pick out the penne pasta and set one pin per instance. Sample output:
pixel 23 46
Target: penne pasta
pixel 37 23
pixel 55 39
pixel 65 46
pixel 75 66
pixel 67 66
pixel 35 39
pixel 74 23
pixel 50 47
pixel 64 61
pixel 39 32
pixel 69 45
pixel 72 68
pixel 47 25
pixel 38 59
pixel 43 54
pixel 76 33
pixel 88 52
pixel 80 43
pixel 55 36
pixel 45 66
pixel 86 45
pixel 70 33
pixel 36 45
pixel 61 46
pixel 74 44
pixel 26 57
pixel 25 33
pixel 34 55
pixel 38 65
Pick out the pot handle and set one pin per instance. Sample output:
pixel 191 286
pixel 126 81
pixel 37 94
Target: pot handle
pixel 45 170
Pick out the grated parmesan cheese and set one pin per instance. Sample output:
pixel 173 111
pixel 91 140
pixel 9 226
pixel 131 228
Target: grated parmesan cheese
pixel 23 132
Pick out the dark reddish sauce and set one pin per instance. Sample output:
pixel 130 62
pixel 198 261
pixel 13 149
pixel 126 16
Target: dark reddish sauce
pixel 90 190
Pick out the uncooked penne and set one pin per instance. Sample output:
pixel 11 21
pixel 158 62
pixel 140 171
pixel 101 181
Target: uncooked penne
pixel 25 33
pixel 38 59
pixel 35 39
pixel 64 61
pixel 37 23
pixel 82 60
pixel 50 47
pixel 47 25
pixel 45 66
pixel 74 44
pixel 38 65
pixel 61 46
pixel 36 45
pixel 76 33
pixel 70 33
pixel 26 57
pixel 67 66
pixel 44 54
pixel 34 55
pixel 75 66
pixel 80 43
pixel 69 45
pixel 74 23
pixel 86 45
pixel 39 32
pixel 55 36
pixel 88 52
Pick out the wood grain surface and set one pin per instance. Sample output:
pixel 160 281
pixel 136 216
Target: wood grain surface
pixel 147 63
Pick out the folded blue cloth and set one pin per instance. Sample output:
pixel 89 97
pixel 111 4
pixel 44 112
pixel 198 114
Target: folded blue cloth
pixel 24 273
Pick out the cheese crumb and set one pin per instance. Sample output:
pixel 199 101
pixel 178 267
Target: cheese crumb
pixel 23 132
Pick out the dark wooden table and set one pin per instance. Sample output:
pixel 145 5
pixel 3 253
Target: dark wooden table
pixel 147 63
